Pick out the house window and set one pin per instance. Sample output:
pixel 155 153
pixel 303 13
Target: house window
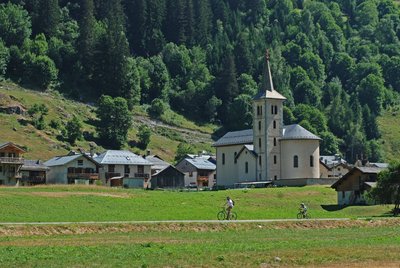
pixel 234 158
pixel 2 154
pixel 259 125
pixel 311 161
pixel 295 161
pixel 111 168
pixel 127 170
pixel 246 167
pixel 223 159
pixel 275 160
pixel 259 142
pixel 276 109
pixel 259 161
pixel 274 141
pixel 274 124
pixel 80 162
pixel 140 169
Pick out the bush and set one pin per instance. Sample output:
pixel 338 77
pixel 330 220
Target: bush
pixel 157 108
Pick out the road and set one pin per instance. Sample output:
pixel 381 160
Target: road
pixel 169 221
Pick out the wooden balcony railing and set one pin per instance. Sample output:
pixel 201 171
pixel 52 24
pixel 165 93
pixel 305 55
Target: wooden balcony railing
pixel 110 175
pixel 85 176
pixel 37 179
pixel 11 160
pixel 142 175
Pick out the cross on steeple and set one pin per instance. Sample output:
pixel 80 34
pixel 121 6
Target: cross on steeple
pixel 268 84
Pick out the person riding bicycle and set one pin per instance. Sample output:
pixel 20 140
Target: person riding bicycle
pixel 303 208
pixel 229 205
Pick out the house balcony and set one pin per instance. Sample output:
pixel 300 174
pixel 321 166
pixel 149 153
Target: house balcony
pixel 84 176
pixel 142 175
pixel 34 179
pixel 12 160
pixel 110 175
pixel 202 179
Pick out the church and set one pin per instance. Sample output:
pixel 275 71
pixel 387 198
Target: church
pixel 271 151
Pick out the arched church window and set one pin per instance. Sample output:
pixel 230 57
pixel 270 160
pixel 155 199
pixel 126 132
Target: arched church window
pixel 295 161
pixel 259 142
pixel 223 159
pixel 274 124
pixel 259 125
pixel 272 109
pixel 234 157
pixel 276 109
pixel 246 167
pixel 311 161
pixel 259 160
pixel 274 141
pixel 275 159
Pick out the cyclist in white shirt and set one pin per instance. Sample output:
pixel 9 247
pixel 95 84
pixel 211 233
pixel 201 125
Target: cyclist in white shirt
pixel 229 206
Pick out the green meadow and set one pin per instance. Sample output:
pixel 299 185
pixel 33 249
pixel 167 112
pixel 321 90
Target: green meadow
pixel 308 243
pixel 373 241
pixel 83 203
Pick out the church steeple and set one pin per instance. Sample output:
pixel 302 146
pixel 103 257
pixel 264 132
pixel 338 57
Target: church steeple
pixel 267 89
pixel 267 80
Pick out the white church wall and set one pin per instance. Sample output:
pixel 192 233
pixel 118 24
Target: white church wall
pixel 303 149
pixel 249 174
pixel 227 173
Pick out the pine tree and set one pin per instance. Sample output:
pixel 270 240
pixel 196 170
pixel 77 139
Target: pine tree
pixel 87 38
pixel 227 86
pixel 48 18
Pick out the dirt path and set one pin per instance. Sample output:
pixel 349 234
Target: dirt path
pixel 187 134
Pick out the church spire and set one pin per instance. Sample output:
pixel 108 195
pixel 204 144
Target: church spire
pixel 268 84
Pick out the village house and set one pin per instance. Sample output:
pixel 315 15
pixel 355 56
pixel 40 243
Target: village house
pixel 33 172
pixel 271 151
pixel 164 175
pixel 124 168
pixel 351 188
pixel 74 168
pixel 199 172
pixel 333 166
pixel 11 161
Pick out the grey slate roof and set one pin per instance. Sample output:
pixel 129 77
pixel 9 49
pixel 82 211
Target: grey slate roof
pixel 157 163
pixel 61 160
pixel 33 165
pixel 379 165
pixel 332 160
pixel 297 132
pixel 269 95
pixel 201 163
pixel 120 157
pixel 370 170
pixel 236 137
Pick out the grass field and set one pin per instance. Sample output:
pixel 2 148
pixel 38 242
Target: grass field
pixel 82 203
pixel 345 244
pixel 371 242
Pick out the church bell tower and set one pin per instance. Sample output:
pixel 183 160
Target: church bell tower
pixel 268 127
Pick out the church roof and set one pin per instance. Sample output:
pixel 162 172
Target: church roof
pixel 297 132
pixel 267 89
pixel 236 138
pixel 269 95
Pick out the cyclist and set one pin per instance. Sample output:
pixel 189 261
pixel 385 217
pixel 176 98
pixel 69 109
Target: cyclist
pixel 229 205
pixel 303 209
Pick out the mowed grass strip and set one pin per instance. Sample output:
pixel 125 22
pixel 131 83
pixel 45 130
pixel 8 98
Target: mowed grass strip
pixel 83 203
pixel 370 243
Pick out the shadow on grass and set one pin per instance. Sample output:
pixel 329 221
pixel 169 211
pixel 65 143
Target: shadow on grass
pixel 332 207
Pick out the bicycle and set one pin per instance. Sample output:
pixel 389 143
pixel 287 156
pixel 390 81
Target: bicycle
pixel 303 215
pixel 221 215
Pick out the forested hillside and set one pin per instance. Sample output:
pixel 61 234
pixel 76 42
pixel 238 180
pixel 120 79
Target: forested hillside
pixel 337 62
